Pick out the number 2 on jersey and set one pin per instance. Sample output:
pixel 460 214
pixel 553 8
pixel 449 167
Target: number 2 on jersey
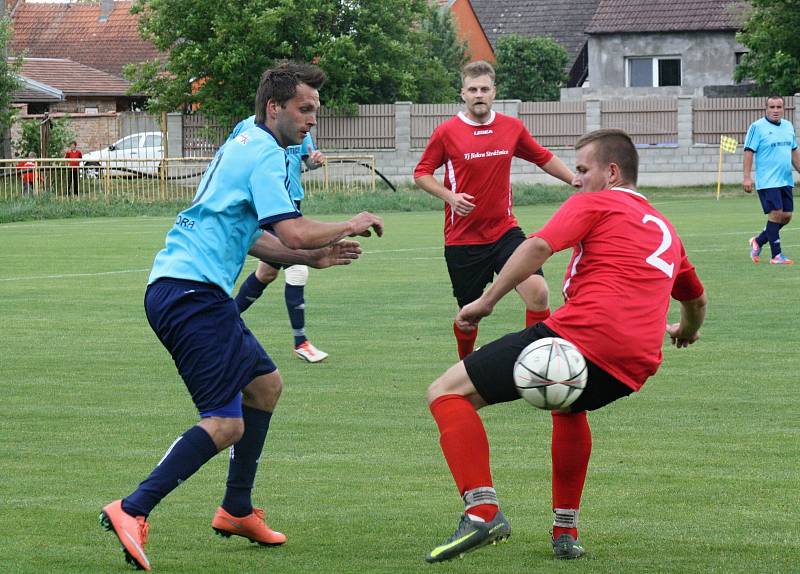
pixel 666 241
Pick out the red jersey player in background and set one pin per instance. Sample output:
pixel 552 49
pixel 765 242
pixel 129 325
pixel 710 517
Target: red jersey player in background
pixel 480 231
pixel 627 262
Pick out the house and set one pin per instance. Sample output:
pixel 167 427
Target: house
pixel 662 47
pixel 104 36
pixel 563 21
pixel 79 89
pixel 469 29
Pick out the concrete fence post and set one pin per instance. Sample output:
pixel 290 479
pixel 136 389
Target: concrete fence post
pixel 402 126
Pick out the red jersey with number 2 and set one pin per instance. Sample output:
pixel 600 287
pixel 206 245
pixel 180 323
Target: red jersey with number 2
pixel 627 261
pixel 477 160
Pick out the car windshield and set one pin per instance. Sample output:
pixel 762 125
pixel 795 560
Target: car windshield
pixel 130 142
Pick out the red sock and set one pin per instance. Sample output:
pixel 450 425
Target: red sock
pixel 570 449
pixel 465 341
pixel 533 317
pixel 465 447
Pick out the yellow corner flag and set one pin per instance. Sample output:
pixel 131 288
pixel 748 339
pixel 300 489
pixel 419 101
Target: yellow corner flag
pixel 726 144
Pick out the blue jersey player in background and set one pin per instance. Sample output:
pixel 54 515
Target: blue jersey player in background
pixel 771 140
pixel 233 382
pixel 296 276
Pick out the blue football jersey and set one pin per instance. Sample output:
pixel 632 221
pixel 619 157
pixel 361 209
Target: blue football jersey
pixel 772 145
pixel 244 190
pixel 295 154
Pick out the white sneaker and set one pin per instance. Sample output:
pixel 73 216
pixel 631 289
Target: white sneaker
pixel 309 352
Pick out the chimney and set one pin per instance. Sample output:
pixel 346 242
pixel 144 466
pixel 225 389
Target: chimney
pixel 106 6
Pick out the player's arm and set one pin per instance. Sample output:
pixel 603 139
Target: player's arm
pixel 523 263
pixel 315 159
pixel 460 202
pixel 269 248
pixel 693 313
pixel 747 180
pixel 796 159
pixel 304 233
pixel 559 169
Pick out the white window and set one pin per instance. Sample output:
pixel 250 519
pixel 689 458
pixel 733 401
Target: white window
pixel 653 72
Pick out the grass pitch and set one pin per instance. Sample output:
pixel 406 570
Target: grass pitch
pixel 697 473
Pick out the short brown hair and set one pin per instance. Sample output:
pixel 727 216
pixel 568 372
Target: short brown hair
pixel 279 84
pixel 477 68
pixel 775 97
pixel 614 146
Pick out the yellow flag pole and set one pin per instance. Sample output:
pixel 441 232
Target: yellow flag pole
pixel 719 171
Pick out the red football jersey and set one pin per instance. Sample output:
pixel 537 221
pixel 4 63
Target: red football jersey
pixel 627 261
pixel 477 160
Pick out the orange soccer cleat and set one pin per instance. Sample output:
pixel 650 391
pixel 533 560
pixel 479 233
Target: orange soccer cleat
pixel 131 531
pixel 251 527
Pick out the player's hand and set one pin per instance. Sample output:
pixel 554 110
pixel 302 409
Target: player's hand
pixel 363 222
pixel 462 204
pixel 315 159
pixel 470 315
pixel 747 184
pixel 340 253
pixel 680 339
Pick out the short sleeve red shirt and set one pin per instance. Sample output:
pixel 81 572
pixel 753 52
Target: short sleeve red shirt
pixel 73 154
pixel 627 260
pixel 477 160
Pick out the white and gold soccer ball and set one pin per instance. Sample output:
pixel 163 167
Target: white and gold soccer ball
pixel 550 373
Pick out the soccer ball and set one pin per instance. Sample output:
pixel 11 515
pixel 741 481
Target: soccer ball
pixel 550 373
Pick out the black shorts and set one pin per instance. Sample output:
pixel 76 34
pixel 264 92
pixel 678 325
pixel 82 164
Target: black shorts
pixel 491 370
pixel 472 267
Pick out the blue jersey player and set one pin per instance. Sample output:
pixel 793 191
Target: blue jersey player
pixel 296 276
pixel 233 382
pixel 771 140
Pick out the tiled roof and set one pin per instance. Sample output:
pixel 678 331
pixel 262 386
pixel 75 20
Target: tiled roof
pixel 561 20
pixel 619 16
pixel 74 31
pixel 33 91
pixel 72 78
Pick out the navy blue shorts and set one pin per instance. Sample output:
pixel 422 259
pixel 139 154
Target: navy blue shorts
pixel 473 267
pixel 216 354
pixel 776 199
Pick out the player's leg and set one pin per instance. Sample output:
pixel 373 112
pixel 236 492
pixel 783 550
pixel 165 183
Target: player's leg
pixel 778 219
pixel 253 287
pixel 533 291
pixel 193 321
pixel 294 294
pixel 484 377
pixel 236 515
pixel 471 268
pixel 571 449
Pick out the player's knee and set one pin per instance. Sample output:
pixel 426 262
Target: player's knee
pixel 263 393
pixel 787 217
pixel 223 431
pixel 454 381
pixel 266 273
pixel 296 275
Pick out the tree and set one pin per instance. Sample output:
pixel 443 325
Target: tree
pixel 373 52
pixel 441 83
pixel 531 69
pixel 9 82
pixel 770 33
pixel 58 138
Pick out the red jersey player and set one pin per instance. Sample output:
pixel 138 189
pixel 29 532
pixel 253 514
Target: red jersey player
pixel 627 262
pixel 480 231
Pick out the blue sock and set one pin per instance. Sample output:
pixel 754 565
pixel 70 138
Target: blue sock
pixel 249 292
pixel 773 234
pixel 296 305
pixel 187 454
pixel 244 462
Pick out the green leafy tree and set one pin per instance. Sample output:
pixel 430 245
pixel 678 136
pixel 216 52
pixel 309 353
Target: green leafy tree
pixel 530 69
pixel 9 82
pixel 439 74
pixel 372 52
pixel 59 136
pixel 771 35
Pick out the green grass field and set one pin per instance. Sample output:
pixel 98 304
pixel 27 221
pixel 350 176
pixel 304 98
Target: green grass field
pixel 697 473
